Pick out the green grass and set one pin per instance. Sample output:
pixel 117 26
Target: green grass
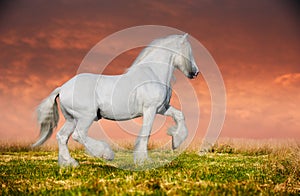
pixel 228 170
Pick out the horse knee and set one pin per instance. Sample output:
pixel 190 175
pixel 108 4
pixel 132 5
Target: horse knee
pixel 61 138
pixel 77 137
pixel 179 116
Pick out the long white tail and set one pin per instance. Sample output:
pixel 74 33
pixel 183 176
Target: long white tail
pixel 47 117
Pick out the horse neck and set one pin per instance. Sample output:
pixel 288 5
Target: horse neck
pixel 161 63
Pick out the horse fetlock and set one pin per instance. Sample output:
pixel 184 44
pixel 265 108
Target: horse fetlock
pixel 172 130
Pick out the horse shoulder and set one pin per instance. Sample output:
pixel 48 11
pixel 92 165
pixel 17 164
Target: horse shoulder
pixel 151 93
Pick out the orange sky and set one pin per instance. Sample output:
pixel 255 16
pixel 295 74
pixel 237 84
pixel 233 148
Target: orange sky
pixel 256 45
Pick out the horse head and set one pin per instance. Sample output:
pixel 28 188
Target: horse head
pixel 184 60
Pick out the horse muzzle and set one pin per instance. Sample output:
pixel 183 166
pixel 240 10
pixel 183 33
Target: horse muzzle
pixel 193 75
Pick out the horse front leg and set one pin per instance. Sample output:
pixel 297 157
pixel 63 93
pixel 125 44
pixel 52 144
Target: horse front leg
pixel 140 151
pixel 179 132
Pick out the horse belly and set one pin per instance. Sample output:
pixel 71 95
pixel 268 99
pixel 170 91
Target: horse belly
pixel 118 103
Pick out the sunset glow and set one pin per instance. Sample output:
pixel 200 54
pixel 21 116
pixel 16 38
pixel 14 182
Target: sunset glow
pixel 256 45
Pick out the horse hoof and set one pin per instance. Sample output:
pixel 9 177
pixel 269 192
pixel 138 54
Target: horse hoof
pixel 68 163
pixel 175 143
pixel 202 153
pixel 177 139
pixel 140 157
pixel 110 155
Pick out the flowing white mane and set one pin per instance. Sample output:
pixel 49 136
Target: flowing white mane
pixel 169 43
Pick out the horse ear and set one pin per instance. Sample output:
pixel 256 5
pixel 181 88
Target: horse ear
pixel 184 37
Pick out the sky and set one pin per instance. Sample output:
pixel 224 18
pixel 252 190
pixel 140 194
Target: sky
pixel 256 45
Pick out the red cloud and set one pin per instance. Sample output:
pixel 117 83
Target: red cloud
pixel 40 53
pixel 288 80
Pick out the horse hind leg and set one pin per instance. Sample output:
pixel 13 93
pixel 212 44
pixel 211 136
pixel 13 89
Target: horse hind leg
pixel 93 147
pixel 64 157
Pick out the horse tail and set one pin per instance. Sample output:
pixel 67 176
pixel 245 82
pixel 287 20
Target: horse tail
pixel 47 117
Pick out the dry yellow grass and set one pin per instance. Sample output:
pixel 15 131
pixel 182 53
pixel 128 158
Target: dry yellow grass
pixel 234 167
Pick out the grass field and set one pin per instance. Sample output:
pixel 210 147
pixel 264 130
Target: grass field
pixel 234 167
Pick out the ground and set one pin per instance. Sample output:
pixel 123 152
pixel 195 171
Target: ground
pixel 228 169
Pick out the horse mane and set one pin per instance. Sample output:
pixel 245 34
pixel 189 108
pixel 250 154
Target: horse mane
pixel 157 43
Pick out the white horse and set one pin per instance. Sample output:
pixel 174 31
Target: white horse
pixel 144 90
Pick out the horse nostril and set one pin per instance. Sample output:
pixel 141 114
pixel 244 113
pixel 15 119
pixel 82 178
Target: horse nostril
pixel 192 75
